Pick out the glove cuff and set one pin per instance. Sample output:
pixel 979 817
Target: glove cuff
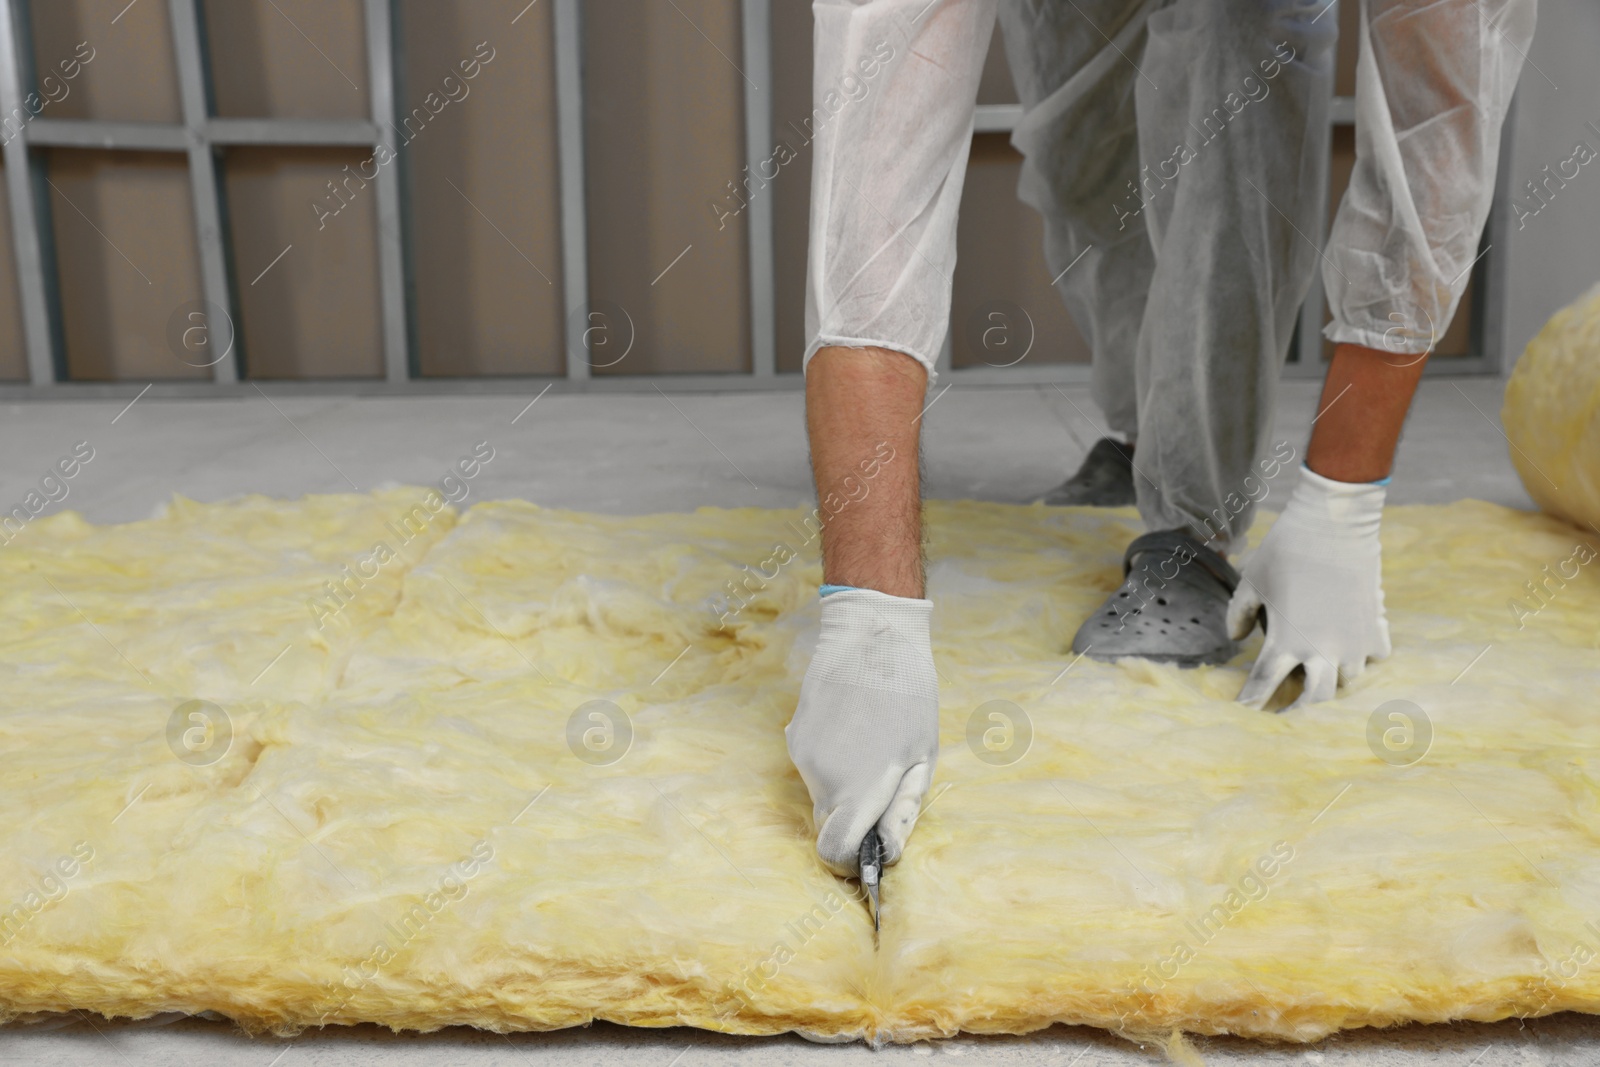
pixel 874 639
pixel 1356 506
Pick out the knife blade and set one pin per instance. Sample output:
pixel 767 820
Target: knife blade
pixel 871 867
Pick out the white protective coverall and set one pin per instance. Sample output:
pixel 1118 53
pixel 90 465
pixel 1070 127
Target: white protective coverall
pixel 1179 147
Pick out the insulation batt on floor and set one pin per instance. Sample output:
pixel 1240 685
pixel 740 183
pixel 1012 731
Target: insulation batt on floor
pixel 400 831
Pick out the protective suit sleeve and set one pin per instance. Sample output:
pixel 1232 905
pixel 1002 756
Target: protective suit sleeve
pixel 895 83
pixel 1434 80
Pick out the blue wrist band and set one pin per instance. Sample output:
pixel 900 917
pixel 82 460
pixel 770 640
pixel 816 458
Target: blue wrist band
pixel 1381 481
pixel 826 589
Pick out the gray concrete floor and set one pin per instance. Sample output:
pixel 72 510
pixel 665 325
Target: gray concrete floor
pixel 634 454
pixel 641 453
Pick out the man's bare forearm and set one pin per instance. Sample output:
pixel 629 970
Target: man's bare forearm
pixel 1365 398
pixel 861 405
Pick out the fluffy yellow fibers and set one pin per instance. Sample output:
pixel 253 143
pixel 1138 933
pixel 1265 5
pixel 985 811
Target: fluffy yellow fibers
pixel 1552 413
pixel 407 828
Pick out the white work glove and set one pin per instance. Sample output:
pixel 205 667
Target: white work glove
pixel 1319 574
pixel 865 736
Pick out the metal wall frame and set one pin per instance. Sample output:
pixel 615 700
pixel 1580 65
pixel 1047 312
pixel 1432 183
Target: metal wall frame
pixel 200 135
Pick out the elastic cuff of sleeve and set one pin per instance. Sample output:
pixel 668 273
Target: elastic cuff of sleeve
pixel 834 341
pixel 1384 340
pixel 824 590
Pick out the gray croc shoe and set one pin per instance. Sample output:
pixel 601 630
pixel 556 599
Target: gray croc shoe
pixel 1104 479
pixel 1172 606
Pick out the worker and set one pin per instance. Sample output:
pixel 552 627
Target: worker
pixel 1176 150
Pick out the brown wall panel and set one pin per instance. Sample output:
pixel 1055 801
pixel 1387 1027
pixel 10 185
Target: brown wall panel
pixel 1457 338
pixel 314 312
pixel 484 205
pixel 791 189
pixel 1344 69
pixel 996 86
pixel 1000 261
pixel 13 351
pixel 288 58
pixel 125 246
pixel 130 75
pixel 664 121
pixel 1341 161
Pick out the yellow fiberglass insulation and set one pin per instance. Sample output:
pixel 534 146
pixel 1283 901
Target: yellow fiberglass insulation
pixel 1552 413
pixel 381 814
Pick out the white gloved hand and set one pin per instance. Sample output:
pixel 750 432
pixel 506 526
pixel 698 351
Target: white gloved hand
pixel 865 736
pixel 1319 574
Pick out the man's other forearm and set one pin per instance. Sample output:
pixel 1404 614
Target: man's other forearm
pixel 1365 398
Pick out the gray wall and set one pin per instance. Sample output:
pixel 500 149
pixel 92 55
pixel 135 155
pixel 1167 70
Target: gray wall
pixel 1555 257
